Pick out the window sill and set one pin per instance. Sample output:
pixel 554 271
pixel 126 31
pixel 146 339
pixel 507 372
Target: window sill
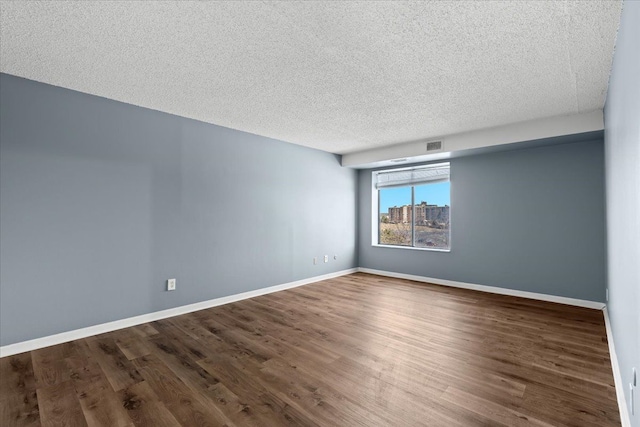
pixel 376 245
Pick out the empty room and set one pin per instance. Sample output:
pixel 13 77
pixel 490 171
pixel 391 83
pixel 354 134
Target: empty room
pixel 319 213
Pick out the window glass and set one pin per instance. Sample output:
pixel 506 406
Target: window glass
pixel 432 206
pixel 395 216
pixel 414 207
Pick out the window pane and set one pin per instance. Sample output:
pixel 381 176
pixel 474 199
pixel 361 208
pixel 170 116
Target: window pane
pixel 432 215
pixel 395 216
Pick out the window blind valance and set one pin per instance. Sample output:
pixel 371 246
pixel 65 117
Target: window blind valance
pixel 414 176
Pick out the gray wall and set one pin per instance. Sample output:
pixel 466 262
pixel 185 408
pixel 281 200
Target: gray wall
pixel 101 202
pixel 530 220
pixel 622 160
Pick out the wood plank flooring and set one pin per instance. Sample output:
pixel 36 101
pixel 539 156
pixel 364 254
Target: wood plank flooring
pixel 359 350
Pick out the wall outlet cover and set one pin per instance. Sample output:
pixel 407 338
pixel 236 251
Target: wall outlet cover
pixel 171 284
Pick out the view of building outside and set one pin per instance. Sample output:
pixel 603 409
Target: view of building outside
pixel 429 222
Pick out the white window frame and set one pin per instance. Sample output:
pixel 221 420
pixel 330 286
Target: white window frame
pixel 375 212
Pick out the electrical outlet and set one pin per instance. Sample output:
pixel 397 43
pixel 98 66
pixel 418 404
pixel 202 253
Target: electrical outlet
pixel 326 258
pixel 315 260
pixel 634 377
pixel 171 284
pixel 607 295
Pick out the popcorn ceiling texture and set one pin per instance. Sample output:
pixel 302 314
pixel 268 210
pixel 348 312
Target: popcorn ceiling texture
pixel 336 76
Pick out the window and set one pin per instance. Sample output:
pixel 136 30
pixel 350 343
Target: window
pixel 413 207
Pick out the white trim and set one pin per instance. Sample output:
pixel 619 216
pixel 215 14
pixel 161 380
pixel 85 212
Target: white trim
pixel 21 347
pixel 491 289
pixel 617 378
pixel 375 214
pixel 413 248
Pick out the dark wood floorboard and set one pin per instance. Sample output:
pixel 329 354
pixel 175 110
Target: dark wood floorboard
pixel 359 350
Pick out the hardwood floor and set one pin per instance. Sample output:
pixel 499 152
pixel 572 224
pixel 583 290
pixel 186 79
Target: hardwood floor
pixel 359 350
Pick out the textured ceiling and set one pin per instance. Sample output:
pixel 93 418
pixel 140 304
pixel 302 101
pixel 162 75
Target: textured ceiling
pixel 337 76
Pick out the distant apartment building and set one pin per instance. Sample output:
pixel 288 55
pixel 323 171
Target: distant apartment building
pixel 400 214
pixel 395 215
pixel 424 212
pixel 406 214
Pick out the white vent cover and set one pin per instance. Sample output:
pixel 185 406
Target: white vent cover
pixel 434 146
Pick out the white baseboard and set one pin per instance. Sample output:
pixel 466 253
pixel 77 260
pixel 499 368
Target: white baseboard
pixel 21 347
pixel 617 378
pixel 490 289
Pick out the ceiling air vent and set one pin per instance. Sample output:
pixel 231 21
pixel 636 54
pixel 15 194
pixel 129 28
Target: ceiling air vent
pixel 434 146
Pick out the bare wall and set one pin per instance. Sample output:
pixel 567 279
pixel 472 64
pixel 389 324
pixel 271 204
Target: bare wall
pixel 622 160
pixel 528 219
pixel 101 202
